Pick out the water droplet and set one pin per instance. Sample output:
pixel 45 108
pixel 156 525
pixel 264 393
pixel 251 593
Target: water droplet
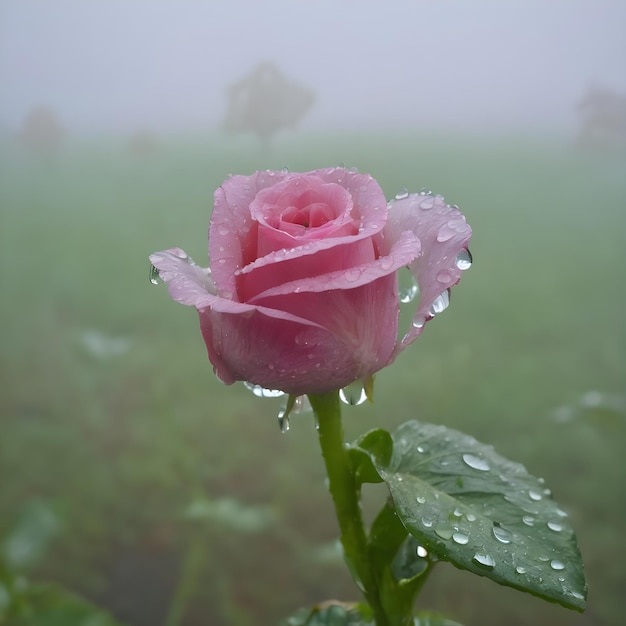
pixel 529 520
pixel 385 263
pixel 464 259
pixel 520 569
pixel 353 274
pixel 534 495
pixel 408 293
pixel 578 596
pixel 420 499
pixel 475 462
pixel 427 203
pixel 444 276
pixel 421 449
pixel 418 322
pixel 283 421
pixel 422 552
pixel 223 230
pixel 285 169
pixel 470 517
pixel 262 392
pixel 484 559
pixel 457 513
pixel 354 394
pixel 155 279
pixel 402 194
pixel 444 533
pixel 460 538
pixel 502 534
pixel 425 192
pixel 441 303
pixel 445 233
pixel 557 565
pixel 557 528
pixel 428 521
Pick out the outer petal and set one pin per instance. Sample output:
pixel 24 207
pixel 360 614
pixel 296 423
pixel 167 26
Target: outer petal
pixel 443 233
pixel 298 359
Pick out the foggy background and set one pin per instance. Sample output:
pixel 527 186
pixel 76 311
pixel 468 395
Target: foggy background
pixel 112 141
pixel 481 65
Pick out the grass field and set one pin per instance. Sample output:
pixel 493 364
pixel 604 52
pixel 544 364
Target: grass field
pixel 111 418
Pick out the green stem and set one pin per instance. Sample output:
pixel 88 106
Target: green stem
pixel 346 493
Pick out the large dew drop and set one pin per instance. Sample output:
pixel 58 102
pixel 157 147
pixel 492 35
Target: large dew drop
pixel 441 303
pixel 502 534
pixel 354 394
pixel 464 259
pixel 407 286
pixel 475 462
pixel 484 560
pixel 155 279
pixel 262 392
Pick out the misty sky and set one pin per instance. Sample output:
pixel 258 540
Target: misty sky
pixel 106 65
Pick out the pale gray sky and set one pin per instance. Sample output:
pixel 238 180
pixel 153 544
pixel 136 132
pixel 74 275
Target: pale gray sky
pixel 164 64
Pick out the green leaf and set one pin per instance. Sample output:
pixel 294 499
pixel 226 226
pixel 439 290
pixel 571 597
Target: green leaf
pixel 467 505
pixel 331 614
pixel 379 445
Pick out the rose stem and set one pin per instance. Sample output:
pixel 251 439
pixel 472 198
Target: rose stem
pixel 345 494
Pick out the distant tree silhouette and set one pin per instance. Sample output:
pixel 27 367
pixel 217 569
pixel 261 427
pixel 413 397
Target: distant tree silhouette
pixel 602 114
pixel 42 133
pixel 143 144
pixel 264 102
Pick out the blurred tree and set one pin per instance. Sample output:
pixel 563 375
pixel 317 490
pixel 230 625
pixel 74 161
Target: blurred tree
pixel 602 114
pixel 265 102
pixel 42 133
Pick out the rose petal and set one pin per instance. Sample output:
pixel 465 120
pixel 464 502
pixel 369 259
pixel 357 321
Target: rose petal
pixel 233 232
pixel 298 359
pixel 403 251
pixel 443 233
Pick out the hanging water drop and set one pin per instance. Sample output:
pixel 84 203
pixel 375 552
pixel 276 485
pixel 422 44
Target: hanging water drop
pixel 402 194
pixel 557 565
pixel 441 303
pixel 418 322
pixel 155 279
pixel 484 559
pixel 475 462
pixel 460 538
pixel 283 421
pixel 262 392
pixel 464 259
pixel 407 286
pixel 354 394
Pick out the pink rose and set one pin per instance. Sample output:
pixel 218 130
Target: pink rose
pixel 302 292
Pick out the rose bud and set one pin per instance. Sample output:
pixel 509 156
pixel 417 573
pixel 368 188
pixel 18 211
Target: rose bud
pixel 302 291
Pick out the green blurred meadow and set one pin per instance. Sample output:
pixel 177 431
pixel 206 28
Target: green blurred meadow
pixel 173 499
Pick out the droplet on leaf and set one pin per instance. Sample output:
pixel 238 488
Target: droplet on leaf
pixel 476 462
